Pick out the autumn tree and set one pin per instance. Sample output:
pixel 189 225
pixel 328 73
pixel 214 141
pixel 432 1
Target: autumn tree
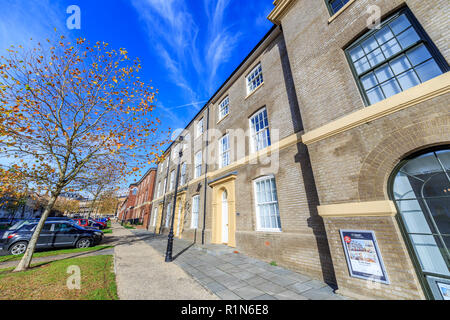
pixel 65 205
pixel 103 181
pixel 108 203
pixel 68 107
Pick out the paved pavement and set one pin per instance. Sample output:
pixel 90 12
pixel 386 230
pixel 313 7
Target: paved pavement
pixel 142 274
pixel 234 276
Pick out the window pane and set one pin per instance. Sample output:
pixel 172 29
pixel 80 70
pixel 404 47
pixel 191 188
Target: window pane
pixel 408 79
pixel 399 24
pixel 444 157
pixel 408 38
pixel 356 53
pixel 390 88
pixel 384 35
pixel 418 55
pixel 430 253
pixel 400 64
pixel 375 57
pixel 369 45
pixel 362 65
pixel 413 216
pixel 383 73
pixel 440 210
pixel 375 95
pixel 369 81
pixel 428 70
pixel 390 48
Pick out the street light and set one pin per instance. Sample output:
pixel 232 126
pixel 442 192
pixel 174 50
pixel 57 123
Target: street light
pixel 170 237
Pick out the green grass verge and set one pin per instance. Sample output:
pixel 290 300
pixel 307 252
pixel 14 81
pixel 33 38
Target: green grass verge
pixel 107 231
pixel 53 253
pixel 48 281
pixel 128 226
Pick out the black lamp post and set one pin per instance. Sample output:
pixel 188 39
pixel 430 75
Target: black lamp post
pixel 170 238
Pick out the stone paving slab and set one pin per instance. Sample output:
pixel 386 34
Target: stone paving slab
pixel 234 276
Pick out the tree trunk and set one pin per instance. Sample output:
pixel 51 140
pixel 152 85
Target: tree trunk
pixel 26 260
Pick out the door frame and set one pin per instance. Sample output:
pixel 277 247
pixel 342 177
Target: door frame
pixel 225 183
pixel 227 214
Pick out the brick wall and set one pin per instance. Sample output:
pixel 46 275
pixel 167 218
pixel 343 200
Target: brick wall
pixel 355 165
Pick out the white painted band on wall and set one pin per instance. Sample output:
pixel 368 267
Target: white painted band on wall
pixel 384 208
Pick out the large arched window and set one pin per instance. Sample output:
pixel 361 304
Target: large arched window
pixel 421 191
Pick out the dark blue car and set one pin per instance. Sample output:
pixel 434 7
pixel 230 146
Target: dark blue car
pixel 55 234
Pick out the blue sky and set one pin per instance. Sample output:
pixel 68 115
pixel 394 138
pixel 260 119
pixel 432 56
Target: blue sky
pixel 188 48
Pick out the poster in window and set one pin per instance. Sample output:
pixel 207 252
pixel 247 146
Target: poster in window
pixel 363 255
pixel 444 288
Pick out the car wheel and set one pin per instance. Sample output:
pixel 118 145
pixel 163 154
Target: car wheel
pixel 83 243
pixel 18 248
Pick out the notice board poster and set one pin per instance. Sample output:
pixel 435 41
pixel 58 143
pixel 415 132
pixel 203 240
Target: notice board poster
pixel 363 255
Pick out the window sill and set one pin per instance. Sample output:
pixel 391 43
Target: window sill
pixel 269 230
pixel 340 11
pixel 220 120
pixel 253 92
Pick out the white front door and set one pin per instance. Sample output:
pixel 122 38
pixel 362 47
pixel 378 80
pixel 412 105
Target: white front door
pixel 224 217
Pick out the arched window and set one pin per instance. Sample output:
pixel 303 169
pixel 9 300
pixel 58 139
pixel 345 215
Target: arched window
pixel 421 191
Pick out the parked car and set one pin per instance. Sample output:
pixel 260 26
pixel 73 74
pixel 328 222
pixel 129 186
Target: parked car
pixel 89 223
pixel 96 223
pixel 54 234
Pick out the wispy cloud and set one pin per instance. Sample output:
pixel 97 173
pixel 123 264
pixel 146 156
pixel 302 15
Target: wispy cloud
pixel 23 20
pixel 189 50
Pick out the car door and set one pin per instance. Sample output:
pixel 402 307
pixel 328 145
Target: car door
pixel 64 234
pixel 45 237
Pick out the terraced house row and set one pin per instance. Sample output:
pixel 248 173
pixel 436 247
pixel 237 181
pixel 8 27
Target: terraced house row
pixel 327 150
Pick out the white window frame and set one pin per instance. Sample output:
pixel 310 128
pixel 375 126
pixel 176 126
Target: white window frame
pixel 255 134
pixel 198 166
pixel 165 185
pixel 224 154
pixel 168 215
pixel 224 108
pixel 159 189
pixel 187 141
pixel 195 214
pixel 199 127
pixel 172 180
pixel 183 174
pixel 253 78
pixel 257 205
pixel 155 215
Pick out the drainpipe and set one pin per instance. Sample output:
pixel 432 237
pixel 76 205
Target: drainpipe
pixel 206 176
pixel 164 198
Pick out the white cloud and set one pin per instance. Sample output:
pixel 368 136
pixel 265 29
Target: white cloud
pixel 172 28
pixel 23 20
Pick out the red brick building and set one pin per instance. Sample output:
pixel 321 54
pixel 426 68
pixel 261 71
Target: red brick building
pixel 137 206
pixel 144 196
pixel 127 206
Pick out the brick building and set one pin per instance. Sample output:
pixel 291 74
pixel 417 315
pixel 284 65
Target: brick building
pixel 337 121
pixel 137 206
pixel 126 209
pixel 144 197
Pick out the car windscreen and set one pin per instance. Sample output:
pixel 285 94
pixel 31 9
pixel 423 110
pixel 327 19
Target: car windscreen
pixel 17 225
pixel 27 227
